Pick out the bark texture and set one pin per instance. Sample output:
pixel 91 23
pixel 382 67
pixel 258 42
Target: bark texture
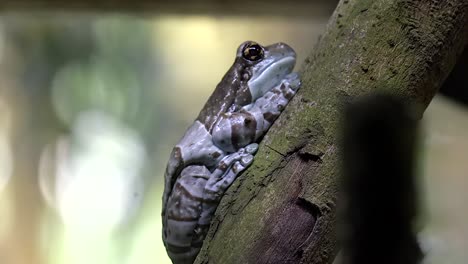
pixel 282 209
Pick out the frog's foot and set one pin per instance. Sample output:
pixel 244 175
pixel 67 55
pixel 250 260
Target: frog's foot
pixel 292 81
pixel 251 148
pixel 267 108
pixel 224 175
pixel 243 158
pixel 273 102
pixel 227 171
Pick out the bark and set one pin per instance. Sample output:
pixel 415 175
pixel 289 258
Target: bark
pixel 282 209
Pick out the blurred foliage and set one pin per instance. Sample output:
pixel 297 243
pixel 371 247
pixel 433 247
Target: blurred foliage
pixel 101 85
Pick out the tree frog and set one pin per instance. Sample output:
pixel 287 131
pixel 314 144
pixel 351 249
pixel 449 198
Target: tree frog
pixel 222 141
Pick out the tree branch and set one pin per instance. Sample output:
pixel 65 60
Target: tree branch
pixel 282 210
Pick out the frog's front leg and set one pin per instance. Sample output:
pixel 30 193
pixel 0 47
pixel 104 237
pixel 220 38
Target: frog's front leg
pixel 238 129
pixel 193 202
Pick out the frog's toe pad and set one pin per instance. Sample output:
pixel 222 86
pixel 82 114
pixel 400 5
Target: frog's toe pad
pixel 247 160
pixel 251 148
pixel 293 80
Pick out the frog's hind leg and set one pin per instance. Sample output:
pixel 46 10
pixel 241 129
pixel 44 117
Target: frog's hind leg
pixel 183 212
pixel 195 147
pixel 194 201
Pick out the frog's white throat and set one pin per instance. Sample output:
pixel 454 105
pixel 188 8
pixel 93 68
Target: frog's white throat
pixel 271 76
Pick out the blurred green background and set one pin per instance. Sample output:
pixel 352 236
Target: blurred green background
pixel 90 107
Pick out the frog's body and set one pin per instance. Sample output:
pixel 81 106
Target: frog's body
pixel 221 142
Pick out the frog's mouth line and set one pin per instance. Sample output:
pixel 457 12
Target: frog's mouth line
pixel 270 76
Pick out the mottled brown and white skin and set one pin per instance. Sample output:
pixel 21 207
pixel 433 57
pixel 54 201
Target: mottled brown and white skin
pixel 220 144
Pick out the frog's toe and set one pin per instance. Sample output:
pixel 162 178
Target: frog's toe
pixel 247 160
pixel 294 80
pixel 251 148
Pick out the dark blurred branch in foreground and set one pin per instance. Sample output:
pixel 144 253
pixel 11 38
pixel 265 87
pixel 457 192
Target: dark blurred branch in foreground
pixel 456 85
pixel 293 8
pixel 380 202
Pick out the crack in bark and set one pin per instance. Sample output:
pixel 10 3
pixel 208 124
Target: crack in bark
pixel 276 151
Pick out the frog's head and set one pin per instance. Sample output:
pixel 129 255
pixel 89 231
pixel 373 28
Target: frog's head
pixel 255 71
pixel 267 65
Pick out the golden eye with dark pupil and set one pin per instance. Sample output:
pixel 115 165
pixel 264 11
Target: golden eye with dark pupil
pixel 253 52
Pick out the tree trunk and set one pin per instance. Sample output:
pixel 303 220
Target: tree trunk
pixel 282 209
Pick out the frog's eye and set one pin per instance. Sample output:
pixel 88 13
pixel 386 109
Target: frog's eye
pixel 253 52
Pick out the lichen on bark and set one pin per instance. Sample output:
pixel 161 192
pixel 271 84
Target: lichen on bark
pixel 282 209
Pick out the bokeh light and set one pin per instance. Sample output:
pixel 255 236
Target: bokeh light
pixel 6 158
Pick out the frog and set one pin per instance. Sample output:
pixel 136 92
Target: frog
pixel 222 141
